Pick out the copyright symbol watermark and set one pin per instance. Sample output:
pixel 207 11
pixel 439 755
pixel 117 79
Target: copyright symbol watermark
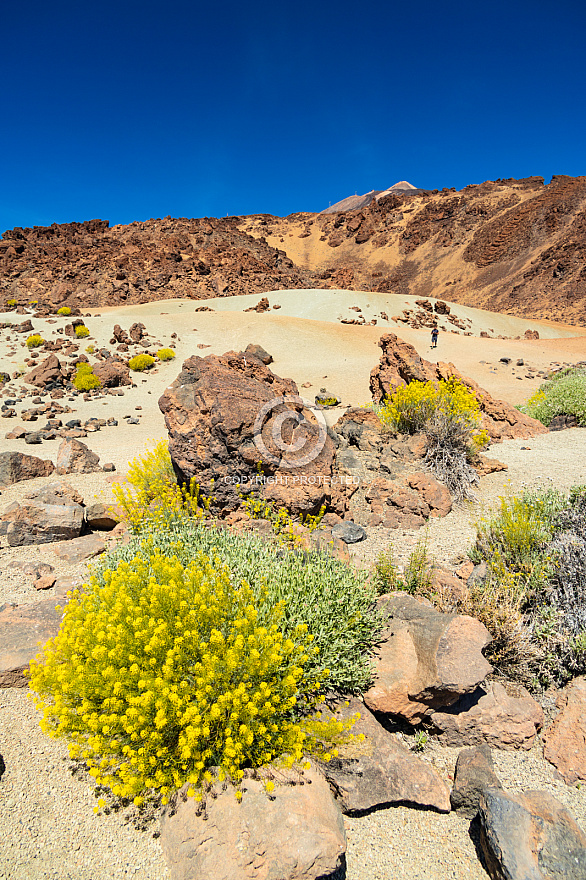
pixel 290 431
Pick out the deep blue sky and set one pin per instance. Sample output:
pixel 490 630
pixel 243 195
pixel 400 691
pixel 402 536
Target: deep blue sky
pixel 127 110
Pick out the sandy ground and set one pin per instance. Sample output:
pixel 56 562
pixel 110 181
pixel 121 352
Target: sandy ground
pixel 308 344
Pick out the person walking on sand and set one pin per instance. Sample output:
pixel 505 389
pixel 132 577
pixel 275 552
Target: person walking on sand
pixel 434 336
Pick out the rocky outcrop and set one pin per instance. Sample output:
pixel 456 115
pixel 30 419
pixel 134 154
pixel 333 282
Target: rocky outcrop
pixel 565 739
pixel 490 715
pixel 296 834
pixel 234 425
pixel 428 659
pixel 400 364
pixel 48 372
pixel 379 770
pixel 16 466
pixel 53 513
pixel 409 502
pixel 530 836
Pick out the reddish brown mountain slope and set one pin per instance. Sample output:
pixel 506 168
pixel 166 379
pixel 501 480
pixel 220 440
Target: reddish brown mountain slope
pixel 513 246
pixel 88 264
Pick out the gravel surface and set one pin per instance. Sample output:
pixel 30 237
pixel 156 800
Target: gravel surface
pixel 48 826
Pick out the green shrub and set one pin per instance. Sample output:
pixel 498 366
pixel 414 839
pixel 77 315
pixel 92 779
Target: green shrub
pixel 35 341
pixel 64 311
pixel 85 379
pixel 165 354
pixel 449 414
pixel 417 577
pixel 533 599
pixel 141 362
pixel 563 394
pixel 81 331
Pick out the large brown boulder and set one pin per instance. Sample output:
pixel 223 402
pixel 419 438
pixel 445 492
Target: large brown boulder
pixel 297 834
pixel 530 836
pixel 490 716
pixel 53 513
pixel 16 466
pixel 428 659
pixel 409 502
pixel 74 457
pixel 22 627
pixel 565 739
pixel 47 372
pixel 400 364
pixel 380 770
pixel 112 373
pixel 234 425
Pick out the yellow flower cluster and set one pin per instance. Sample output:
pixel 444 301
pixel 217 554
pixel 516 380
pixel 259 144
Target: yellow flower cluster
pixel 151 492
pixel 165 672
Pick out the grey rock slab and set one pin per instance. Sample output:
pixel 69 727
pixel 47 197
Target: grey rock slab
pixel 50 514
pixel 74 457
pixel 530 836
pixel 349 532
pixel 380 771
pixel 296 834
pixel 23 629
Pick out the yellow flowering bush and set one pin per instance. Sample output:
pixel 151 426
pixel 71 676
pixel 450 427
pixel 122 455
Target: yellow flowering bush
pixel 85 378
pixel 162 671
pixel 141 362
pixel 165 354
pixel 64 311
pixel 81 331
pixel 34 341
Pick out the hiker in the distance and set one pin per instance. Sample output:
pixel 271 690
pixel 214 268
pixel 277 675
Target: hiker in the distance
pixel 434 336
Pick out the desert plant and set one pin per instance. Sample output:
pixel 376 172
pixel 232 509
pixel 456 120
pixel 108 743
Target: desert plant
pixel 533 598
pixel 564 393
pixel 165 354
pixel 164 671
pixel 90 349
pixel 85 379
pixel 64 311
pixel 10 303
pixel 35 341
pixel 141 362
pixel 81 331
pixel 449 414
pixel 416 578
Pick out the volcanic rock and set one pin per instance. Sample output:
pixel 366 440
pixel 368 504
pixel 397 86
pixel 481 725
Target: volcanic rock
pixel 74 457
pixel 565 739
pixel 47 372
pixel 407 502
pixel 297 834
pixel 53 513
pixel 22 627
pixel 259 353
pixel 428 659
pixel 112 373
pixel 380 771
pixel 474 772
pixel 230 429
pixel 490 715
pixel 530 836
pixel 16 466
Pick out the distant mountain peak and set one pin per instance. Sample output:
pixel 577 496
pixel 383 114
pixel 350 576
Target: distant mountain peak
pixel 351 203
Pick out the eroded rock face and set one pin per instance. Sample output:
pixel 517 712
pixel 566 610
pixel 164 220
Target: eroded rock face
pixel 230 429
pixel 530 836
pixel 53 513
pixel 490 716
pixel 112 373
pixel 409 502
pixel 565 739
pixel 15 466
pixel 428 661
pixel 400 364
pixel 297 835
pixel 380 770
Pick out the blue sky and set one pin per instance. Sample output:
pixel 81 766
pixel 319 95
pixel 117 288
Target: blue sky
pixel 129 110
